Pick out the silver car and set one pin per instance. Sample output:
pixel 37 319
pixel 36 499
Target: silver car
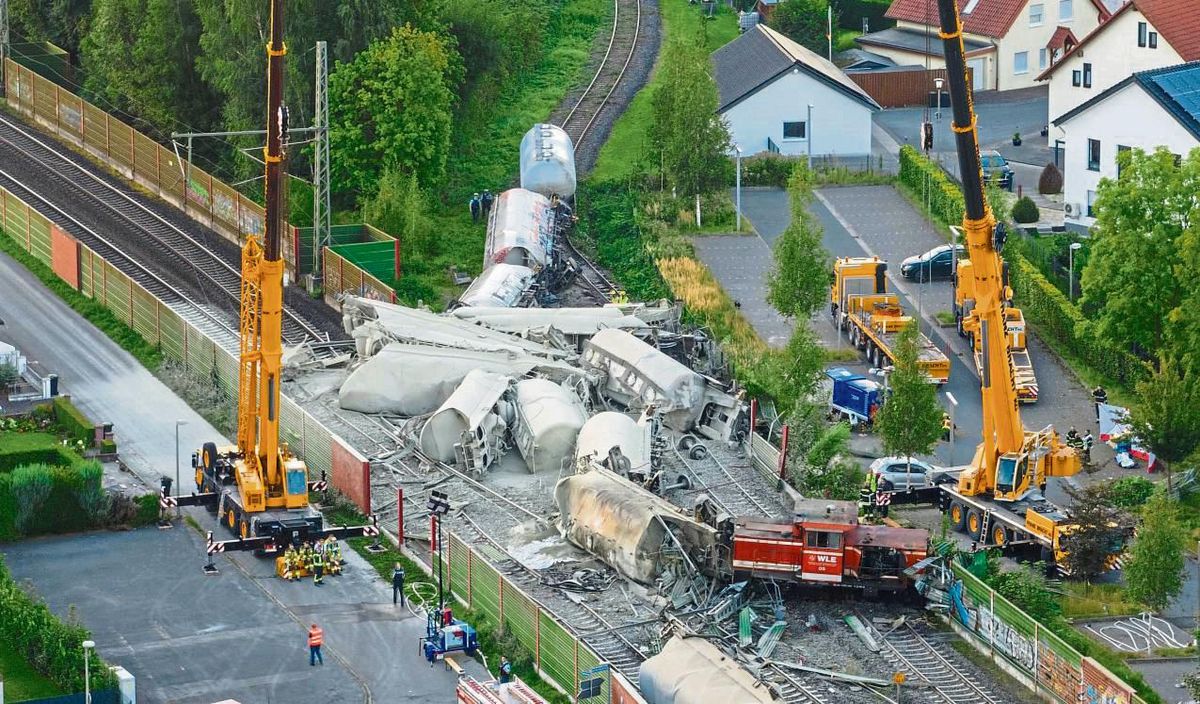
pixel 899 474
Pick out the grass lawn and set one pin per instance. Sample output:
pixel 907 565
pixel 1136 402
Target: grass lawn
pixel 843 39
pixel 12 441
pixel 21 682
pixel 1082 600
pixel 627 143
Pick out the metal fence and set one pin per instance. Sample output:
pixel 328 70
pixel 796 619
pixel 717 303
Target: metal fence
pixel 558 654
pixel 1046 663
pixel 342 276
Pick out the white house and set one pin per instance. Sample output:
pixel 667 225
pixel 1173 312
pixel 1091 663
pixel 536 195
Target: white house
pixel 1149 109
pixel 1141 35
pixel 766 84
pixel 1008 42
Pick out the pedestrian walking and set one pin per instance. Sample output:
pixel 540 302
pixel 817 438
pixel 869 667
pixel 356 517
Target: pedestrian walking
pixel 487 202
pixel 1099 396
pixel 505 670
pixel 316 637
pixel 397 585
pixel 476 204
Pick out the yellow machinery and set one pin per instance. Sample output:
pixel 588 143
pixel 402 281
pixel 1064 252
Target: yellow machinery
pixel 873 317
pixel 1011 465
pixel 968 327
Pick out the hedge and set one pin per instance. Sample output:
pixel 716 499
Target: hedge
pixel 72 421
pixel 37 499
pixel 53 455
pixel 945 198
pixel 50 646
pixel 852 12
pixel 1060 321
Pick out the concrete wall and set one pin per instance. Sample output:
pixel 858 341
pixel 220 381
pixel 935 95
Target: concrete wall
pixel 64 253
pixel 351 474
pixel 1128 118
pixel 1114 55
pixel 841 124
pixel 1025 37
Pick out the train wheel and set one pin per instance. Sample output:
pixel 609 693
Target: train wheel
pixel 244 528
pixel 958 516
pixel 974 523
pixel 1000 536
pixel 230 519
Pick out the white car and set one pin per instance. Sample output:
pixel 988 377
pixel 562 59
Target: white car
pixel 899 473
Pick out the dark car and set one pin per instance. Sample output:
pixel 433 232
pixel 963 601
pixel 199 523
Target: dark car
pixel 937 263
pixel 996 169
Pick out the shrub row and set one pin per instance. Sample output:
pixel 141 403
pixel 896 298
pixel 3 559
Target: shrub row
pixel 51 647
pixel 72 421
pixel 608 219
pixel 852 12
pixel 945 197
pixel 54 455
pixel 36 499
pixel 1060 321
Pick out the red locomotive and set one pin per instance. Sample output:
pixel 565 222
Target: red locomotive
pixel 826 544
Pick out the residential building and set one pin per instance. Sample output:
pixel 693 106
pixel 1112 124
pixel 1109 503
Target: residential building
pixel 767 84
pixel 1150 109
pixel 1008 42
pixel 1141 35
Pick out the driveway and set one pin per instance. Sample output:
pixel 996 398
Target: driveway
pixel 741 264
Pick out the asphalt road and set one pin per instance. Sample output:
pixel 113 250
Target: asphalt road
pixel 191 638
pixel 104 381
pixel 742 265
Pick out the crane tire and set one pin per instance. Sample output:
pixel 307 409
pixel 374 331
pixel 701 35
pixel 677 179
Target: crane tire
pixel 244 528
pixel 208 455
pixel 199 479
pixel 1000 536
pixel 958 516
pixel 974 523
pixel 230 519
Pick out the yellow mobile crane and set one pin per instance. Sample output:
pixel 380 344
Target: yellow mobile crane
pixel 998 498
pixel 258 487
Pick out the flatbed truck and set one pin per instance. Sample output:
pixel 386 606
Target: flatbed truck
pixel 873 317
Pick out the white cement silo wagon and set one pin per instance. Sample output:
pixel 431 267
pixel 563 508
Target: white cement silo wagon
pixel 500 285
pixel 520 230
pixel 469 428
pixel 604 431
pixel 548 161
pixel 548 420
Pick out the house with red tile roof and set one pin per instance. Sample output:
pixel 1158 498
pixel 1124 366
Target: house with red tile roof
pixel 1008 42
pixel 1141 35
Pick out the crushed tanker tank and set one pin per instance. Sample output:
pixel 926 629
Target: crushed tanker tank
pixel 576 324
pixel 520 230
pixel 502 285
pixel 694 671
pixel 608 430
pixel 639 375
pixel 412 380
pixel 627 527
pixel 549 418
pixel 469 428
pixel 548 161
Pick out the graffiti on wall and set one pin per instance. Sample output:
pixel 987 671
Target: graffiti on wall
pixel 1016 646
pixel 1101 686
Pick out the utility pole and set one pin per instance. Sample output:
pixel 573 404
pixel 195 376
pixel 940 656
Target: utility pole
pixel 4 41
pixel 321 207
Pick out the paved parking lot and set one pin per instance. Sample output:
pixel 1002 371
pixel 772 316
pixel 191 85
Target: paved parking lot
pixel 742 265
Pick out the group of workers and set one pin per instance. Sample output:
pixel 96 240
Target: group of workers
pixel 1081 444
pixel 318 558
pixel 481 205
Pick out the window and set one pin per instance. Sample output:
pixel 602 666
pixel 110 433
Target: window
pixel 794 130
pixel 1121 149
pixel 1065 10
pixel 1077 78
pixel 970 7
pixel 823 539
pixel 1036 12
pixel 1178 159
pixel 1093 155
pixel 1042 59
pixel 1091 204
pixel 1087 75
pixel 1143 31
pixel 1154 40
pixel 1021 62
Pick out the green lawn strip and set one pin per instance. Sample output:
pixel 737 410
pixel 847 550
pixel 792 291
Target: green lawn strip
pixel 1083 600
pixel 95 313
pixel 21 681
pixel 491 641
pixel 628 143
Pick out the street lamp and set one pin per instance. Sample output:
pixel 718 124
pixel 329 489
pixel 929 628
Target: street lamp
pixel 738 185
pixel 938 83
pixel 177 484
pixel 87 676
pixel 1071 266
pixel 808 126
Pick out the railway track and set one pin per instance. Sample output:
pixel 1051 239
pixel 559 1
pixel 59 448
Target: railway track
pixel 141 229
pixel 710 475
pixel 622 42
pixel 593 629
pixel 924 660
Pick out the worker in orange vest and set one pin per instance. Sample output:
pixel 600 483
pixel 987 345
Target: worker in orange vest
pixel 315 637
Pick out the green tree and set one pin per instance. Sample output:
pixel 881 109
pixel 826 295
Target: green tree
pixel 392 109
pixel 1139 219
pixel 1154 573
pixel 61 22
pixel 140 55
pixel 399 209
pixel 799 284
pixel 686 130
pixel 805 22
pixel 1098 527
pixel 1167 415
pixel 910 421
pixel 8 375
pixel 1028 589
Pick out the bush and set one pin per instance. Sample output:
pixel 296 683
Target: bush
pixel 767 170
pixel 53 455
pixel 72 421
pixel 1025 211
pixel 1129 492
pixel 852 12
pixel 1051 180
pixel 51 647
pixel 945 198
pixel 607 218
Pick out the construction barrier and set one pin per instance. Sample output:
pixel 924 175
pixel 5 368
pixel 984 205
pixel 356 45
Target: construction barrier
pixel 200 357
pixel 558 655
pixel 1028 650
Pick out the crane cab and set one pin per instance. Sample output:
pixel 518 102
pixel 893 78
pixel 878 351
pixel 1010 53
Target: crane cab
pixel 1012 476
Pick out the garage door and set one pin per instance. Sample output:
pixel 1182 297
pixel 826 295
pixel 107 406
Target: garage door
pixel 978 73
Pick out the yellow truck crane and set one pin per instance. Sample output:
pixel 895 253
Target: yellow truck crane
pixel 258 488
pixel 968 327
pixel 872 316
